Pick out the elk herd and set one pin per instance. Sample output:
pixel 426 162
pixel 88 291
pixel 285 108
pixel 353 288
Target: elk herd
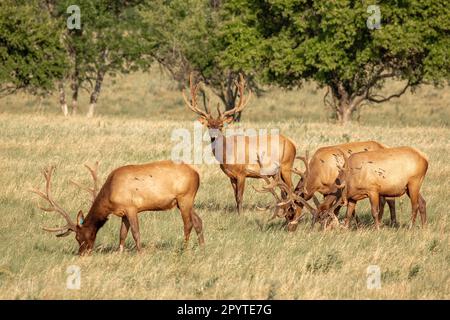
pixel 343 174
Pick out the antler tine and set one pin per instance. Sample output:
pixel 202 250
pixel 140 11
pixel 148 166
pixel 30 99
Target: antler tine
pixel 269 187
pixel 337 204
pixel 54 207
pixel 298 172
pixel 316 201
pixel 242 100
pixel 330 212
pixel 305 203
pixel 305 160
pixel 276 213
pixel 292 197
pixel 192 105
pixel 93 171
pixel 57 229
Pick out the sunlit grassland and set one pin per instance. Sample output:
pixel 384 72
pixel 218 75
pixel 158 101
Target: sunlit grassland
pixel 244 257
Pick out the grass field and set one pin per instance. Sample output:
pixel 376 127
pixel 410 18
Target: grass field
pixel 244 257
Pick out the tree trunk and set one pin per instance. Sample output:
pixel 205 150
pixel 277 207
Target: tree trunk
pixel 62 99
pixel 75 101
pixel 346 108
pixel 75 89
pixel 229 98
pixel 343 103
pixel 95 94
pixel 344 112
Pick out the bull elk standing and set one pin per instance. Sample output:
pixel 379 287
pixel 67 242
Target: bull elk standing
pixel 388 172
pixel 127 191
pixel 227 149
pixel 323 169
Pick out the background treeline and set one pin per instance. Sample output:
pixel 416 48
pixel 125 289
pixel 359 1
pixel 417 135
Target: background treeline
pixel 273 42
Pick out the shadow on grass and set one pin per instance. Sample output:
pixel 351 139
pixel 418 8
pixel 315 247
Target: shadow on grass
pixel 227 208
pixel 174 246
pixel 366 222
pixel 266 226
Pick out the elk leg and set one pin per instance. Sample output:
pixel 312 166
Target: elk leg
pixel 240 193
pixel 423 210
pixel 336 211
pixel 234 185
pixel 391 204
pixel 293 223
pixel 413 193
pixel 350 213
pixel 375 203
pixel 358 222
pixel 185 207
pixel 286 177
pixel 134 224
pixel 198 226
pixel 382 204
pixel 123 232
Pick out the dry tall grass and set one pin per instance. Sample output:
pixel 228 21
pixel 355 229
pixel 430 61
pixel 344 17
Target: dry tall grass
pixel 244 257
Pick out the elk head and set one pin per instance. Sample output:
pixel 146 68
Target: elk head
pixel 225 117
pixel 300 189
pixel 85 235
pixel 286 205
pixel 337 198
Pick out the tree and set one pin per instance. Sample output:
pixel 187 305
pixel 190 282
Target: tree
pixel 31 55
pixel 189 39
pixel 335 44
pixel 112 39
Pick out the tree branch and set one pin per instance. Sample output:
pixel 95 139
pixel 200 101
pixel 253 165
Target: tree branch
pixel 384 99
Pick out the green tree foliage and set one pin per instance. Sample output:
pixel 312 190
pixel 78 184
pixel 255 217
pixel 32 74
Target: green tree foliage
pixel 113 39
pixel 190 39
pixel 31 55
pixel 290 41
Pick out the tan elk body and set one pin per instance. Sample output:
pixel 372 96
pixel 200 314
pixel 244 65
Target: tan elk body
pixel 323 169
pixel 237 154
pixel 388 172
pixel 127 191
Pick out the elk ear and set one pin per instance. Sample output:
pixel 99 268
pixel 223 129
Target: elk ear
pixel 80 218
pixel 203 121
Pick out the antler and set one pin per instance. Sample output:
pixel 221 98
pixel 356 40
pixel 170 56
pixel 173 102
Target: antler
pixel 193 105
pixel 94 190
pixel 290 200
pixel 298 172
pixel 243 101
pixel 305 160
pixel 303 175
pixel 328 214
pixel 54 207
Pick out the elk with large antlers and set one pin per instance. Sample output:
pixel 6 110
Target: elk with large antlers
pixel 236 153
pixel 287 204
pixel 322 170
pixel 388 172
pixel 129 190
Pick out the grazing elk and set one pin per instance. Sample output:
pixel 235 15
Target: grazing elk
pixel 287 204
pixel 236 153
pixel 322 170
pixel 127 191
pixel 388 172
